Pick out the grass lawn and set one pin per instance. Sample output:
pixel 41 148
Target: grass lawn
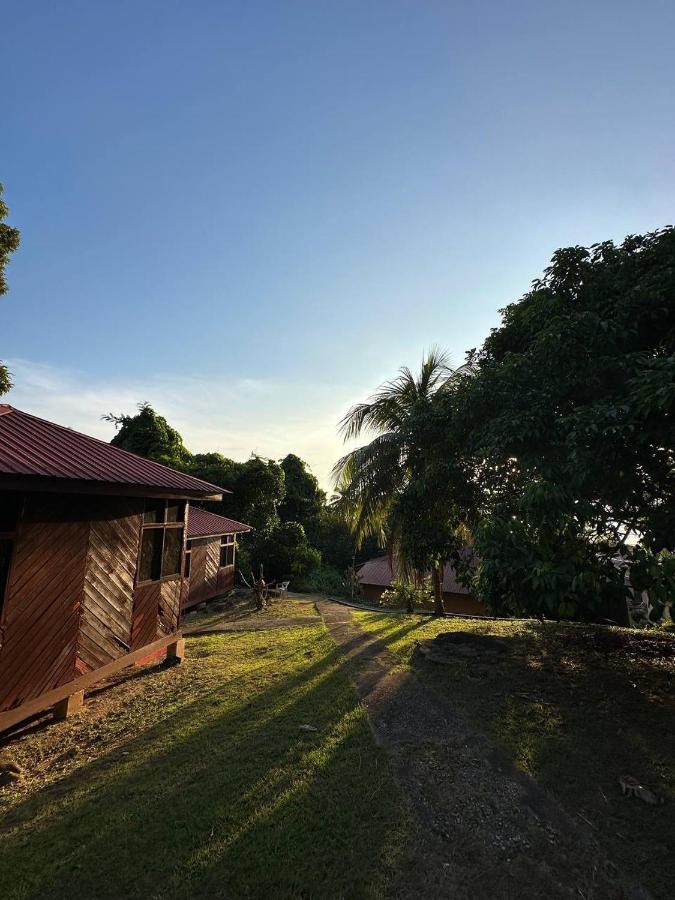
pixel 576 707
pixel 232 609
pixel 196 781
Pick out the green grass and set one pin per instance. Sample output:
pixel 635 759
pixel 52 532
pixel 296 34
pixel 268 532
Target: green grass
pixel 243 607
pixel 576 707
pixel 197 782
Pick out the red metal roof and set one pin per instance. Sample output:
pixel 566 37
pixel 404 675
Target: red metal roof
pixel 30 446
pixel 379 572
pixel 202 523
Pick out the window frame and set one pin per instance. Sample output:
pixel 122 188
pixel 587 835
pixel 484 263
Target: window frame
pixel 165 525
pixel 227 542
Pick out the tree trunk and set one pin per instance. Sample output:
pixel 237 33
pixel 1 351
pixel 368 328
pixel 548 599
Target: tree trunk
pixel 437 575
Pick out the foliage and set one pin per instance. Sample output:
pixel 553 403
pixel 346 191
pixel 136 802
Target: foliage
pixel 257 487
pixel 370 478
pixel 551 450
pixel 284 552
pixel 406 594
pixel 262 493
pixel 303 499
pixel 9 242
pixel 383 485
pixel 149 434
pixel 5 380
pixel 567 416
pixel 323 580
pixel 331 534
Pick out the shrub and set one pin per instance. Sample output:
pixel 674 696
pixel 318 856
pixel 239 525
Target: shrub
pixel 407 594
pixel 321 580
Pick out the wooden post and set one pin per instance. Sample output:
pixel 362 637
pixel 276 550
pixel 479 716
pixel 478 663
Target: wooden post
pixel 176 651
pixel 71 704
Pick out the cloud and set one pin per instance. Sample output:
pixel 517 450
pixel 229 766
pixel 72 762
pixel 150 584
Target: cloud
pixel 234 416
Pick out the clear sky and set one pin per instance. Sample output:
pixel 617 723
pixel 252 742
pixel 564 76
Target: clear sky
pixel 251 213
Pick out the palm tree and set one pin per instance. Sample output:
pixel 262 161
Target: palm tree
pixel 372 479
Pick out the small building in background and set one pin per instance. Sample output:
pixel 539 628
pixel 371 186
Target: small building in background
pixel 92 554
pixel 210 556
pixel 376 576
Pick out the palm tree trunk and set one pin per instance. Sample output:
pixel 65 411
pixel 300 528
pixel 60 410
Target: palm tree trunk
pixel 438 590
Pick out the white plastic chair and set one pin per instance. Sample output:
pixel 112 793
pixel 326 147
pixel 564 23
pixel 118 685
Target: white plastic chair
pixel 281 589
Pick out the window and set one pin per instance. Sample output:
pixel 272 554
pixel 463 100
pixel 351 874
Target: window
pixel 227 550
pixel 162 540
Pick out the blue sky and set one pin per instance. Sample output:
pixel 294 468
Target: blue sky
pixel 250 213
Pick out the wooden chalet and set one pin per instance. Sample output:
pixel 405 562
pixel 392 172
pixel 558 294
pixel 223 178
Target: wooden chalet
pixel 210 556
pixel 376 575
pixel 92 555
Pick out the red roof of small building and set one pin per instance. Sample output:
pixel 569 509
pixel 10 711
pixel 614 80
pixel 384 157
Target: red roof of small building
pixel 35 448
pixel 202 523
pixel 378 572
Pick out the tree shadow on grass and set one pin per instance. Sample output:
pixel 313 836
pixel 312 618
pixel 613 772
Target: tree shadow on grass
pixel 224 797
pixel 576 714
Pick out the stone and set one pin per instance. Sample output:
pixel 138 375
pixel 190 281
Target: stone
pixel 10 771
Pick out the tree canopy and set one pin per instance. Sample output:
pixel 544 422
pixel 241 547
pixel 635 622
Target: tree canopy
pixel 257 487
pixel 551 451
pixel 9 242
pixel 568 417
pixel 303 499
pixel 149 434
pixel 382 485
pixel 282 501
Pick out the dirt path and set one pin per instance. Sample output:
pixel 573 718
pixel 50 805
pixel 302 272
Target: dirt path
pixel 484 825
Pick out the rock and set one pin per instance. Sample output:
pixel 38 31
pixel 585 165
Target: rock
pixel 10 771
pixel 308 728
pixel 631 787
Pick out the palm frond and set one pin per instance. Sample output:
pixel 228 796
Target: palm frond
pixel 388 408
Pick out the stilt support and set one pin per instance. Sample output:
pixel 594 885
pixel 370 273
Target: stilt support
pixel 176 651
pixel 70 705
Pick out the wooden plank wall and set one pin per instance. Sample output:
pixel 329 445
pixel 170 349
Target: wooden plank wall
pixel 105 624
pixel 42 602
pixel 156 611
pixel 207 578
pixel 169 607
pixel 225 579
pixel 205 556
pixel 70 606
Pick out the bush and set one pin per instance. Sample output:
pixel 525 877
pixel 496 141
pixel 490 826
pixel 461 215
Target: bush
pixel 407 595
pixel 322 580
pixel 305 560
pixel 284 553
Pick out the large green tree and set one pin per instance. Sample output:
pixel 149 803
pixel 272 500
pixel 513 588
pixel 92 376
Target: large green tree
pixel 383 484
pixel 9 242
pixel 257 487
pixel 566 415
pixel 303 500
pixel 284 552
pixel 149 434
